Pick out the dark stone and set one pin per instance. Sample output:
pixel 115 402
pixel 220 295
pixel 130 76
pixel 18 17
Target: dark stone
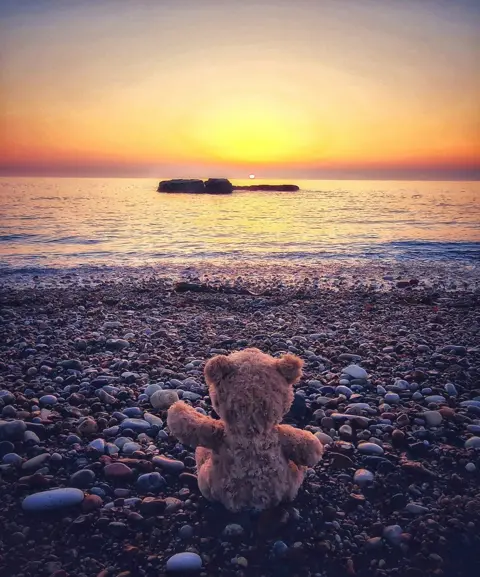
pixel 12 430
pixel 82 479
pixel 398 502
pixel 6 447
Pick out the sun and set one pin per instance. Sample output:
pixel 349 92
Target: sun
pixel 252 176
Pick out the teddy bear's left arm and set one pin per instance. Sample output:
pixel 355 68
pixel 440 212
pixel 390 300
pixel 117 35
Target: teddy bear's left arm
pixel 299 446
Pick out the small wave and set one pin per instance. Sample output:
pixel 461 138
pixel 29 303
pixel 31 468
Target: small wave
pixel 72 240
pixel 19 237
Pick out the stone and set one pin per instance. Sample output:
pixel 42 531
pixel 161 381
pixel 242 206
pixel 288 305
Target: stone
pixel 355 372
pixel 72 364
pixel 370 449
pixel 470 467
pixel 233 530
pixel 137 425
pixel 82 479
pixel 91 502
pixel 36 462
pixel 185 532
pixel 433 418
pixel 363 477
pixel 7 397
pixel 12 430
pixel 392 398
pixel 150 483
pixel 342 390
pixel 97 445
pixel 451 390
pixel 12 459
pixel 163 399
pixel 130 447
pixel 117 344
pixel 134 412
pixel 416 509
pixel 280 549
pixel 30 438
pixel 153 388
pixel 373 543
pixel 437 399
pixel 324 438
pixel 393 534
pixel 184 562
pixel 168 465
pixel 470 404
pixel 152 506
pixel 87 426
pixel 48 400
pixel 345 432
pixel 53 500
pixel 118 471
pixel 472 443
pixel 153 420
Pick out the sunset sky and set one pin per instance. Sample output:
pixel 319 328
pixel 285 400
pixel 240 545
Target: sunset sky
pixel 300 88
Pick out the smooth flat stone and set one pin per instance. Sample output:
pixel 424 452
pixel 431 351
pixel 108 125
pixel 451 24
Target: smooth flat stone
pixel 52 500
pixel 435 399
pixel 355 371
pixel 153 420
pixel 135 424
pixel 183 562
pixel 36 462
pixel 168 465
pixel 324 438
pixel 370 449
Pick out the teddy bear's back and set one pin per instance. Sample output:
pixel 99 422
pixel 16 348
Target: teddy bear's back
pixel 253 472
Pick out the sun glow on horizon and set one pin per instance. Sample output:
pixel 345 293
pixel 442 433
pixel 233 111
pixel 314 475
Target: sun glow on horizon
pixel 224 89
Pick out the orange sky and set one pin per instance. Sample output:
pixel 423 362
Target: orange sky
pixel 220 87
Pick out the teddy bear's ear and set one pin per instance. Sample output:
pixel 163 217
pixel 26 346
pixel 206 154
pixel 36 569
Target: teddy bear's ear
pixel 217 368
pixel 290 367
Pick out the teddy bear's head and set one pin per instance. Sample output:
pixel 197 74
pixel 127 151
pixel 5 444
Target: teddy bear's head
pixel 251 391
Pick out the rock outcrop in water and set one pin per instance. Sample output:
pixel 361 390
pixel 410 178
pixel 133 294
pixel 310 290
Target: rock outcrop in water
pixel 182 185
pixel 196 186
pixel 269 187
pixel 218 186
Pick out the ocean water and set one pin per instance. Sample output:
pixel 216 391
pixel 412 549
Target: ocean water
pixel 49 223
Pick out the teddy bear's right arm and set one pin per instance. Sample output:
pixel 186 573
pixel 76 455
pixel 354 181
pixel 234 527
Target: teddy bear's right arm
pixel 192 428
pixel 299 446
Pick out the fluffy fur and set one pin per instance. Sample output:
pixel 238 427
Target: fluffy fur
pixel 247 459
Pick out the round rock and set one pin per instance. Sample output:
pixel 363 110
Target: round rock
pixel 163 399
pixel 363 477
pixel 184 562
pixel 433 418
pixel 355 372
pixel 472 443
pixel 370 449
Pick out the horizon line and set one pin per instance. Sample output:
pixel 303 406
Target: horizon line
pixel 406 178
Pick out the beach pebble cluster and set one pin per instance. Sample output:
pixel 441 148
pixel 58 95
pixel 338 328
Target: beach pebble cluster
pixel 93 484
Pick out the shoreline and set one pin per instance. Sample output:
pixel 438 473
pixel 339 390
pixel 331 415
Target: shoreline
pixel 94 343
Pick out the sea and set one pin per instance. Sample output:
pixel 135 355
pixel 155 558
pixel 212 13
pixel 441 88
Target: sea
pixel 88 223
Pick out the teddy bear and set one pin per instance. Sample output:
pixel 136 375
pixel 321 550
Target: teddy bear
pixel 247 459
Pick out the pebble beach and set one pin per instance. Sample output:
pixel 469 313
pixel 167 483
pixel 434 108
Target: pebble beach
pixel 92 484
